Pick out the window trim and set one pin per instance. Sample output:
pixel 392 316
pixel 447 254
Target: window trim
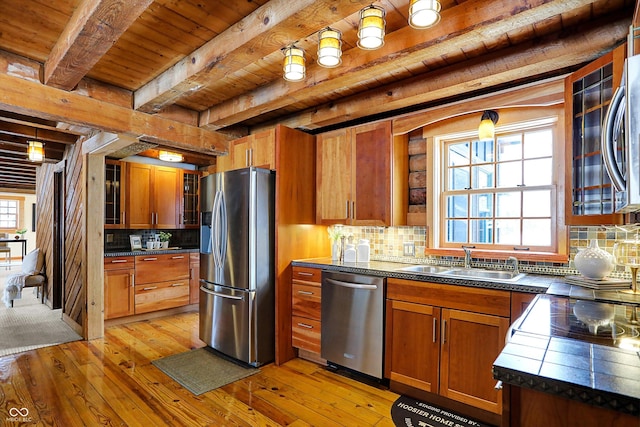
pixel 19 215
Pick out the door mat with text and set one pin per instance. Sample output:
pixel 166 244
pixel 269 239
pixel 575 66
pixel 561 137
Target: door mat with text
pixel 409 412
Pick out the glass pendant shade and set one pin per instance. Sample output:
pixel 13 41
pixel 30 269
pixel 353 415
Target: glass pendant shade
pixel 35 151
pixel 329 48
pixel 487 128
pixel 294 64
pixel 169 156
pixel 371 27
pixel 424 13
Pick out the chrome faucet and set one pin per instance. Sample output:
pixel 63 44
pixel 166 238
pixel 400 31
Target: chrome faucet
pixel 516 267
pixel 467 256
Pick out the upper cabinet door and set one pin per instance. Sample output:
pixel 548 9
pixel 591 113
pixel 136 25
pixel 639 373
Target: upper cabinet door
pixel 588 93
pixel 333 177
pixel 114 194
pixel 167 183
pixel 139 195
pixel 252 150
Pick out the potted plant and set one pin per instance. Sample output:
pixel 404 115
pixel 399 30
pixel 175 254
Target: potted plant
pixel 20 233
pixel 164 239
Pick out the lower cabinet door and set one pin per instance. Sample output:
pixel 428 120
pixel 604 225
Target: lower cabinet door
pixel 470 344
pixel 118 293
pixel 306 333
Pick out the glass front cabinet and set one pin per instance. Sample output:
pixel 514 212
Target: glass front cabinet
pixel 114 180
pixel 190 200
pixel 588 93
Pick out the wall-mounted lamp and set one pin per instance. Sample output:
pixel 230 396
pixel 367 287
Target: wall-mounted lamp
pixel 35 151
pixel 487 128
pixel 424 13
pixel 329 47
pixel 170 156
pixel 371 27
pixel 294 64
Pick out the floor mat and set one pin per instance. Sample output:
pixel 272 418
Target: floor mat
pixel 202 370
pixel 407 411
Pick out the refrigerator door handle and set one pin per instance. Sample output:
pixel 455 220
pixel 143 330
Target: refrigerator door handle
pixel 217 294
pixel 612 119
pixel 215 233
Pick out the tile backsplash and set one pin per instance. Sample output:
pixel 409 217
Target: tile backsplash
pixel 387 244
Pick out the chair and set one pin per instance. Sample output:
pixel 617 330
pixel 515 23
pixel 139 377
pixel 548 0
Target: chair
pixel 6 250
pixel 32 275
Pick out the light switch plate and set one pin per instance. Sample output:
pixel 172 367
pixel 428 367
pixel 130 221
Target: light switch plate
pixel 409 249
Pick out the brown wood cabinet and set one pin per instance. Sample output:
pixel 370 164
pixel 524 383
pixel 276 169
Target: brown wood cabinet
pixel 443 339
pixel 305 309
pixel 354 176
pixel 252 150
pixel 114 194
pixel 162 281
pixel 153 196
pixel 194 278
pixel 119 273
pixel 588 92
pixel 190 207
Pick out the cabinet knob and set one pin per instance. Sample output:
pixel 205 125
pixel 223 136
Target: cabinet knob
pixel 150 288
pixel 177 284
pixel 149 259
pixel 305 293
pixel 304 325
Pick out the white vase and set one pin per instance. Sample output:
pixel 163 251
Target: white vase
pixel 593 262
pixel 335 251
pixel 164 245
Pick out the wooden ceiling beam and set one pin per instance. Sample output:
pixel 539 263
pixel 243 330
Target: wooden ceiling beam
pixel 70 107
pixel 92 30
pixel 470 21
pixel 268 29
pixel 29 131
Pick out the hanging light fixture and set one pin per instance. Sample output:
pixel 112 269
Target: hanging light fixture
pixel 487 128
pixel 329 47
pixel 170 156
pixel 35 151
pixel 294 64
pixel 424 13
pixel 371 27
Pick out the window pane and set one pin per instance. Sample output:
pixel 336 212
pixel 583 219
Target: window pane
pixel 481 205
pixel 482 176
pixel 508 204
pixel 456 231
pixel 538 144
pixel 508 231
pixel 457 207
pixel 509 174
pixel 481 231
pixel 536 232
pixel 536 203
pixel 509 148
pixel 538 172
pixel 482 151
pixel 458 154
pixel 458 178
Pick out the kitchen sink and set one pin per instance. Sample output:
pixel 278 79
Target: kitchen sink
pixel 465 273
pixel 425 269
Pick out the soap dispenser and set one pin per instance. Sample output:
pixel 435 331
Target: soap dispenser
pixel 364 251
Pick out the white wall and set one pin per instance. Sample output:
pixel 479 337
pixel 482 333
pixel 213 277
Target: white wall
pixel 25 222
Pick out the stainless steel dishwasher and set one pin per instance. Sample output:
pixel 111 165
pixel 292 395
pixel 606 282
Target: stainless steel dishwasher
pixel 353 322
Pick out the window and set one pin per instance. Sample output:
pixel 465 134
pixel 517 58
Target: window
pixel 500 194
pixel 9 213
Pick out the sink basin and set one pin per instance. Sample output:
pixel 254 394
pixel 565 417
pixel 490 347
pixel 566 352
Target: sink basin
pixel 425 269
pixel 479 274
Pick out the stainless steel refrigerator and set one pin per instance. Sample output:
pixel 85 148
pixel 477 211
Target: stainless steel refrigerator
pixel 237 271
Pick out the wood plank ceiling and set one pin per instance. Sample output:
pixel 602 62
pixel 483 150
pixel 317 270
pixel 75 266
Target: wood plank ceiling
pixel 218 64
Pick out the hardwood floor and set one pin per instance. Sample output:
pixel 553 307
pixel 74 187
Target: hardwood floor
pixel 111 381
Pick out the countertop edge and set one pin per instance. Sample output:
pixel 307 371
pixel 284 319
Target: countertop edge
pixel 154 252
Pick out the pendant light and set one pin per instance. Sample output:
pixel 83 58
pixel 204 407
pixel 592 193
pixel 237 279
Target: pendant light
pixel 424 13
pixel 371 27
pixel 294 64
pixel 170 156
pixel 329 47
pixel 487 128
pixel 35 151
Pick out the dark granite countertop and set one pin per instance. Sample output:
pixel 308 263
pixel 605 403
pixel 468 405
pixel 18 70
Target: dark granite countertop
pixel 147 252
pixel 552 351
pixel 531 283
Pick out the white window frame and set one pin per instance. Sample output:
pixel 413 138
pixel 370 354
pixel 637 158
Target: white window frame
pixel 19 201
pixel 438 181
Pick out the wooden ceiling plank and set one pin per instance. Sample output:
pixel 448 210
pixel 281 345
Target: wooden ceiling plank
pixel 474 21
pixel 257 35
pixel 94 27
pixel 53 104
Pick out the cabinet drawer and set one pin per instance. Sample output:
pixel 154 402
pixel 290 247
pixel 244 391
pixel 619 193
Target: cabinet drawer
pixel 307 274
pixel 306 301
pixel 305 334
pixel 163 267
pixel 118 263
pixel 161 295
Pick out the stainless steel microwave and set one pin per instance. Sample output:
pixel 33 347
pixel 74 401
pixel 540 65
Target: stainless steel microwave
pixel 621 139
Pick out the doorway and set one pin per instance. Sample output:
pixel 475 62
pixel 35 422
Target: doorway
pixel 57 289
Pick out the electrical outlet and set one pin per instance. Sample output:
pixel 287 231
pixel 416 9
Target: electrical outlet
pixel 109 238
pixel 409 249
